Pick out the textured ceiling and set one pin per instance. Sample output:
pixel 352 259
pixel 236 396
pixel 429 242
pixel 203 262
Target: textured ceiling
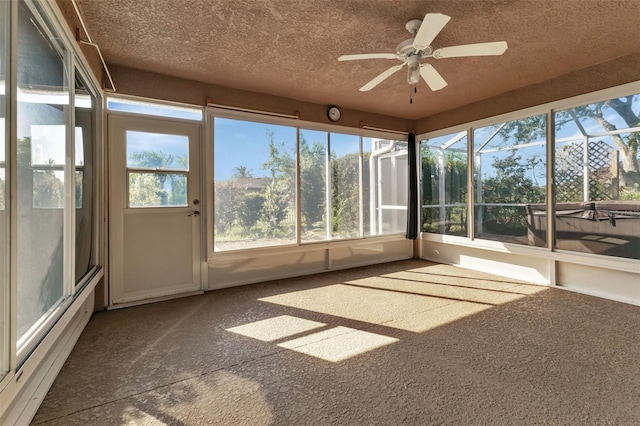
pixel 289 48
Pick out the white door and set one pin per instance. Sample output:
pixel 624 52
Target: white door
pixel 155 220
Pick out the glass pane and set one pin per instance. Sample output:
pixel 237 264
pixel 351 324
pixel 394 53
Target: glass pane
pixel 345 185
pixel 510 179
pixel 157 151
pixel 4 281
pixel 454 222
pixel 394 177
pixel 444 184
pixel 386 171
pixel 368 189
pixel 137 107
pixel 313 185
pixel 43 98
pixel 157 190
pixel 254 184
pixel 597 178
pixel 48 145
pixel 48 189
pixel 84 145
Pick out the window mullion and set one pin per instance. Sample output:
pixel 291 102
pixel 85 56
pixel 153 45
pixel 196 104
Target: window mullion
pixel 471 189
pixel 69 210
pixel 298 191
pixel 9 278
pixel 361 189
pixel 328 200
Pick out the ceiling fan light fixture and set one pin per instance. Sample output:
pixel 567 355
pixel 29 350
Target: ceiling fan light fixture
pixel 413 75
pixel 413 69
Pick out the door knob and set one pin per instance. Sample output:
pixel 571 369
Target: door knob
pixel 194 213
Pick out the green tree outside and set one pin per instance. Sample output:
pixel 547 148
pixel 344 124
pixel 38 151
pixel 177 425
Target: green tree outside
pixel 154 188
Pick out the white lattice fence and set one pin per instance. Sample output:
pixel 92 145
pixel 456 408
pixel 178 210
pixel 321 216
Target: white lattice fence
pixel 602 172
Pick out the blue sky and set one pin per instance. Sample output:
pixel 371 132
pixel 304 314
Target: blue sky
pixel 175 145
pixel 245 143
pixel 238 142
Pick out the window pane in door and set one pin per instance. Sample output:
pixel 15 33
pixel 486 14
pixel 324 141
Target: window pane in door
pixel 43 100
pixel 157 151
pixel 157 189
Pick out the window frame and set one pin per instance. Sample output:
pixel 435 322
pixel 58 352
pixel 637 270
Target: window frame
pixel 216 112
pixel 28 352
pixel 7 291
pixel 549 252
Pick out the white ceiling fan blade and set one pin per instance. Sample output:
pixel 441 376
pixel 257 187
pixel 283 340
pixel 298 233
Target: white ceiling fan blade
pixel 432 77
pixel 478 49
pixel 368 56
pixel 380 78
pixel 431 26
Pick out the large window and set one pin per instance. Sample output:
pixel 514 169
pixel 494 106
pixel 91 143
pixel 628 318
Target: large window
pixel 345 186
pixel 43 103
pixel 48 192
pixel 349 186
pixel 254 184
pixel 597 178
pixel 330 187
pixel 444 184
pixel 510 180
pixel 314 185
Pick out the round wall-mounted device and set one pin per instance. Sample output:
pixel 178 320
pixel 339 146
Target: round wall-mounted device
pixel 334 113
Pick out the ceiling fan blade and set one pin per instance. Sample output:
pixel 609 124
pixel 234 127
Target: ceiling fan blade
pixel 368 56
pixel 431 26
pixel 432 77
pixel 380 78
pixel 478 49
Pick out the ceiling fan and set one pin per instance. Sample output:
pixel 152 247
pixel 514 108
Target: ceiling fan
pixel 411 52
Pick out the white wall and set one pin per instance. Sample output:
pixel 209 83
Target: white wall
pixel 615 279
pixel 251 266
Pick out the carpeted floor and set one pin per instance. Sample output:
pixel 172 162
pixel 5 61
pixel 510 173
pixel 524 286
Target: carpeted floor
pixel 400 343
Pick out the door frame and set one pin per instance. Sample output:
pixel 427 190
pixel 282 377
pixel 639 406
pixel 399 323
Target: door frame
pixel 117 125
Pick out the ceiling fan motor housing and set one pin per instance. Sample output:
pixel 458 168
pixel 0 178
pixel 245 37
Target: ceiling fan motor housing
pixel 405 49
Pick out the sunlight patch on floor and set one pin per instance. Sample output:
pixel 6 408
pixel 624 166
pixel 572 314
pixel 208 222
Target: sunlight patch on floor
pixel 372 306
pixel 489 297
pixel 338 344
pixel 335 345
pixel 435 318
pixel 457 281
pixel 276 328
